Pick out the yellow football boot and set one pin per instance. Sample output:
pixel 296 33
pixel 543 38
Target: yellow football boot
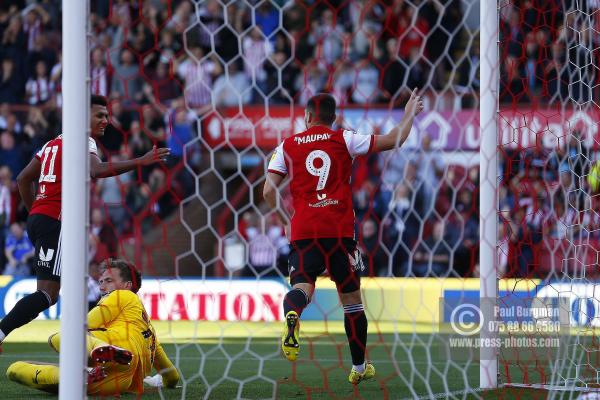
pixel 290 340
pixel 356 377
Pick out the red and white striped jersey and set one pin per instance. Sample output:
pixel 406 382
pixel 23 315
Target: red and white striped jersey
pixel 319 163
pixel 48 196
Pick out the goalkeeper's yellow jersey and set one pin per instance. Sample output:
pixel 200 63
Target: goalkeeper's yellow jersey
pixel 120 317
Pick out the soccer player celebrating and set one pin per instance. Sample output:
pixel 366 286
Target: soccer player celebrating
pixel 43 223
pixel 121 342
pixel 319 164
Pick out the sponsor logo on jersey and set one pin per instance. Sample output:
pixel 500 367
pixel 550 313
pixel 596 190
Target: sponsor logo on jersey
pixel 312 138
pixel 324 203
pixel 45 257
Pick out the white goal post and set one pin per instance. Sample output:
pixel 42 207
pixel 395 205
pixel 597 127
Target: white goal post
pixel 488 117
pixel 75 161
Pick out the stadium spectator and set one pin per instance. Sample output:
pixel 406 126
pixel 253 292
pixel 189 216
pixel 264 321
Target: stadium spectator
pixel 327 38
pixel 368 201
pixel 126 82
pixel 411 36
pixel 169 47
pixel 309 82
pixel 256 49
pixel 165 88
pixel 211 17
pixel 281 90
pixel 113 192
pixel 374 257
pixel 366 83
pixel 10 154
pixel 38 88
pixel 56 81
pixel 415 184
pixel 430 165
pixel 115 132
pixel 36 127
pixel 14 44
pixel 234 88
pixel 99 73
pixel 40 52
pixel 18 251
pixel 93 293
pixel 198 73
pixel 10 83
pixel 393 70
pixel 35 17
pixel 418 70
pixel 432 255
pixel 402 225
pixel 265 247
pixel 467 80
pixel 512 82
pixel 103 235
pixel 524 252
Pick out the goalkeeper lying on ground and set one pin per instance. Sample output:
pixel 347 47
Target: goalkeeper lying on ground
pixel 121 342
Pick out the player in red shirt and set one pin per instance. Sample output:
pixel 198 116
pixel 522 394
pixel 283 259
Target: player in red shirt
pixel 43 223
pixel 318 162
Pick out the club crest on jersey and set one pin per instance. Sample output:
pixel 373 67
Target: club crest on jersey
pixel 312 138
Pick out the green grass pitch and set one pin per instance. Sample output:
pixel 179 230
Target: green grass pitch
pixel 216 358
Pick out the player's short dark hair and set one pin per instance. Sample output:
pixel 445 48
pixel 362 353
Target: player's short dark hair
pixel 99 100
pixel 127 271
pixel 322 106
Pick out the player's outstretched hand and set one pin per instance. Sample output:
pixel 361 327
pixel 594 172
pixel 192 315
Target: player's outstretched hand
pixel 155 155
pixel 154 381
pixel 414 105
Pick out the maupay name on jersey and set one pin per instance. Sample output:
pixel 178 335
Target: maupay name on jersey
pixel 312 138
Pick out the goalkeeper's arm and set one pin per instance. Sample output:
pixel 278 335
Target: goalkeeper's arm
pixel 164 366
pixel 398 135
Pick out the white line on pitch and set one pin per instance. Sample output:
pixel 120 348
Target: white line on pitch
pixel 325 360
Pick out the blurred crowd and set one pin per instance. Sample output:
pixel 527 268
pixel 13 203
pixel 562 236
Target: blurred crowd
pixel 548 53
pixel 164 65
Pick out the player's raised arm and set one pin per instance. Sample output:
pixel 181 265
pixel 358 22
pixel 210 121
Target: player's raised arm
pixel 100 169
pixel 25 182
pixel 398 135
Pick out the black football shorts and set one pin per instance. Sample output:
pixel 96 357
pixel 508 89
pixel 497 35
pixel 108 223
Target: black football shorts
pixel 309 258
pixel 44 233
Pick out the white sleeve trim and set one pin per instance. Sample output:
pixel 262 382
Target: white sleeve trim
pixel 277 163
pixel 39 154
pixel 357 145
pixel 93 146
